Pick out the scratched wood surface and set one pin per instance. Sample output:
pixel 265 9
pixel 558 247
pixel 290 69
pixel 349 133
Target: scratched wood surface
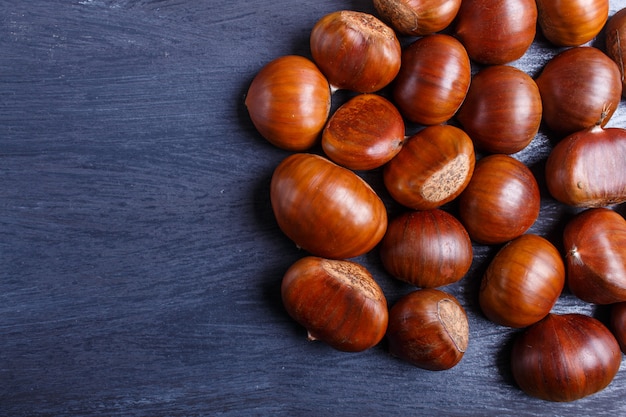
pixel 140 262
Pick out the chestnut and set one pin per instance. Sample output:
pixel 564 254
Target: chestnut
pixel 572 22
pixel 617 320
pixel 433 168
pixel 522 282
pixel 427 248
pixel 594 242
pixel 580 87
pixel 565 357
pixel 337 301
pixel 364 133
pixel 585 169
pixel 289 102
pixel 355 50
pixel 615 39
pixel 496 31
pixel 418 17
pixel 501 201
pixel 429 329
pixel 433 80
pixel 326 209
pixel 502 110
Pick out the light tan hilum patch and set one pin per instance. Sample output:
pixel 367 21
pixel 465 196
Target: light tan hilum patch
pixel 353 275
pixel 447 180
pixel 454 320
pixel 367 23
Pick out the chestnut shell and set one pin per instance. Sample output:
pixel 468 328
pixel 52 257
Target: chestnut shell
pixel 429 329
pixel 337 301
pixel 326 209
pixel 565 357
pixel 428 248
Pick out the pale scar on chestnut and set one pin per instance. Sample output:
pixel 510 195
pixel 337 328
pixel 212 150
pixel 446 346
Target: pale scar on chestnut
pixel 352 276
pixel 455 323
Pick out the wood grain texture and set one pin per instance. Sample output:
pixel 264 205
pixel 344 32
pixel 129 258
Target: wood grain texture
pixel 140 263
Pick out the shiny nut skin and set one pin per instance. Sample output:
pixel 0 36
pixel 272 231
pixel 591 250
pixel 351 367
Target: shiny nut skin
pixel 337 301
pixel 594 242
pixel 496 31
pixel 522 282
pixel 427 248
pixel 572 22
pixel 432 169
pixel 364 133
pixel 580 87
pixel 418 17
pixel 502 110
pixel 565 357
pixel 289 102
pixel 433 80
pixel 584 169
pixel 355 50
pixel 325 209
pixel 616 42
pixel 501 201
pixel 429 329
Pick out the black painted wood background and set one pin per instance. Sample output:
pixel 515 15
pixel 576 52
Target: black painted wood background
pixel 140 263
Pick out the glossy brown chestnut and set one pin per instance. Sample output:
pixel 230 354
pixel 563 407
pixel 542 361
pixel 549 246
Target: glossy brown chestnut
pixel 433 168
pixel 572 22
pixel 429 329
pixel 496 31
pixel 326 209
pixel 594 241
pixel 289 102
pixel 522 282
pixel 338 302
pixel 565 357
pixel 580 87
pixel 616 43
pixel 502 110
pixel 618 324
pixel 355 50
pixel 418 17
pixel 433 80
pixel 501 201
pixel 364 133
pixel 586 169
pixel 428 248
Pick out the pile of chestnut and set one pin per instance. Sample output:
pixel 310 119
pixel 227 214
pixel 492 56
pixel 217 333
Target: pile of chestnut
pixel 471 124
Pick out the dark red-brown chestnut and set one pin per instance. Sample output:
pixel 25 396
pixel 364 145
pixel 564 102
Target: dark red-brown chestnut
pixel 428 248
pixel 502 110
pixel 433 80
pixel 617 319
pixel 496 31
pixel 594 242
pixel 289 102
pixel 501 201
pixel 418 17
pixel 522 282
pixel 429 329
pixel 337 301
pixel 364 133
pixel 572 22
pixel 326 209
pixel 616 42
pixel 565 357
pixel 580 88
pixel 586 169
pixel 355 50
pixel 433 167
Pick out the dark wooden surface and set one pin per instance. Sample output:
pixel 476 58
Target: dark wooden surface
pixel 140 263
